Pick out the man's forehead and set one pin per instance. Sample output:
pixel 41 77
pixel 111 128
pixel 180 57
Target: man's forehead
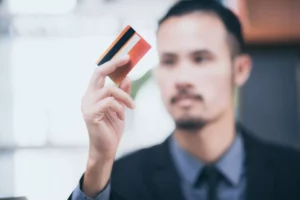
pixel 192 31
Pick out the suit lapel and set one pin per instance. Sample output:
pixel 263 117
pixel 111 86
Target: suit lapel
pixel 259 169
pixel 164 178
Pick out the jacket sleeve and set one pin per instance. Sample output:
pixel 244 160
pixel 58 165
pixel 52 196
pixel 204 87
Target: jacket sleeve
pixel 78 194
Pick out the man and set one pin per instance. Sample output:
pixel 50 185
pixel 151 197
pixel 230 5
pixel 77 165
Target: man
pixel 208 157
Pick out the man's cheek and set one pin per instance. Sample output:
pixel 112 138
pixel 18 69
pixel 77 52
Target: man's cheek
pixel 165 92
pixel 214 89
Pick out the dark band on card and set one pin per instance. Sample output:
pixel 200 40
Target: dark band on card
pixel 115 48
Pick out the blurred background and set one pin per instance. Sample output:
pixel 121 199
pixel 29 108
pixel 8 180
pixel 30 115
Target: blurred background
pixel 49 49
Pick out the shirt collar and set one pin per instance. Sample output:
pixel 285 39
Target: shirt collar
pixel 230 164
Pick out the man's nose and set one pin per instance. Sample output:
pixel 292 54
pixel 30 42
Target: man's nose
pixel 183 79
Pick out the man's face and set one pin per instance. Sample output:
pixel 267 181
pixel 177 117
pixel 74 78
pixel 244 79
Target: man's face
pixel 195 72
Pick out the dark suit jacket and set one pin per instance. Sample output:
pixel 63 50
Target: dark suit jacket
pixel 273 173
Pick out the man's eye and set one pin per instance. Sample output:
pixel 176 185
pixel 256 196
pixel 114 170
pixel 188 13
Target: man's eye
pixel 168 62
pixel 199 59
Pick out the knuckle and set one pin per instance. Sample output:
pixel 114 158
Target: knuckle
pixel 110 90
pixel 109 101
pixel 102 92
pixel 121 109
pixel 99 71
pixel 128 98
pixel 107 89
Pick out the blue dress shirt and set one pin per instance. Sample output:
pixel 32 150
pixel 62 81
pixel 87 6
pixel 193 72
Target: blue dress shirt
pixel 231 165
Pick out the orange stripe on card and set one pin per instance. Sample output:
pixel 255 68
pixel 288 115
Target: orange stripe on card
pixel 114 42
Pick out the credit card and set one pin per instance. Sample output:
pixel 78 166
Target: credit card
pixel 129 42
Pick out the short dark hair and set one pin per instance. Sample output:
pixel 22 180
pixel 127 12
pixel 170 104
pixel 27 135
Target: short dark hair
pixel 228 18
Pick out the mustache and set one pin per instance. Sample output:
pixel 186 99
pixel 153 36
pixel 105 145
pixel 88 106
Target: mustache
pixel 185 94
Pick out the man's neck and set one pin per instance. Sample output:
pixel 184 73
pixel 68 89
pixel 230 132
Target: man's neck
pixel 210 142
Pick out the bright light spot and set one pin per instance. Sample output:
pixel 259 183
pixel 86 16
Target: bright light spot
pixel 29 7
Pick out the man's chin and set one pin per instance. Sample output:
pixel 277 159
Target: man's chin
pixel 190 124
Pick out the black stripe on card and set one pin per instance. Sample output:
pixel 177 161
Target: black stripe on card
pixel 122 41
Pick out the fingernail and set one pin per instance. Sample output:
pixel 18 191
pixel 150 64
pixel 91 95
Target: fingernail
pixel 133 104
pixel 126 57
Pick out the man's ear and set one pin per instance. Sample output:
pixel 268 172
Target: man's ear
pixel 242 69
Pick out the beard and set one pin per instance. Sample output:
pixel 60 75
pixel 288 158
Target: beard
pixel 190 124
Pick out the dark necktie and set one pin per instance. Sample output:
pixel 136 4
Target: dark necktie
pixel 210 176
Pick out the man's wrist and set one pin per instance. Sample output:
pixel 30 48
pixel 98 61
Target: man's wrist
pixel 98 157
pixel 99 162
pixel 97 175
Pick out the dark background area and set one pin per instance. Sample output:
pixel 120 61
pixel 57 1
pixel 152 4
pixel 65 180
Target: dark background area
pixel 269 102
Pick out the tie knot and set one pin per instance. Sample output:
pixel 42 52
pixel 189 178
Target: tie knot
pixel 210 176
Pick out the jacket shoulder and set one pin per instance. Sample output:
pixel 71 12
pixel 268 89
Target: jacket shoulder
pixel 285 155
pixel 286 165
pixel 130 173
pixel 286 160
pixel 130 168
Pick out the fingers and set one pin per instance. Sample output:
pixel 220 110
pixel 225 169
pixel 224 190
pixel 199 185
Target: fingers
pixel 98 78
pixel 126 85
pixel 110 103
pixel 117 94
